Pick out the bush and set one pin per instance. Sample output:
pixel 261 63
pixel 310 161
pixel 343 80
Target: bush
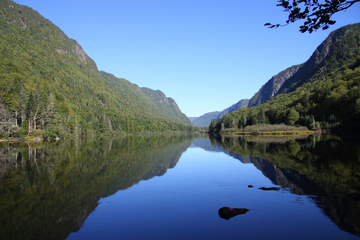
pixel 50 134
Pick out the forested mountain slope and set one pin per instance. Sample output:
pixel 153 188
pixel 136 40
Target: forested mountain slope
pixel 323 93
pixel 167 106
pixel 48 81
pixel 334 52
pixel 339 49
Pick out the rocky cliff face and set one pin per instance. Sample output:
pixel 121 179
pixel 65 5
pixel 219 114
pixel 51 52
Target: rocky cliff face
pixel 272 86
pixel 331 54
pixel 324 59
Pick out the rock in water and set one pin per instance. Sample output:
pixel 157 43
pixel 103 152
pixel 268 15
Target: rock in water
pixel 227 212
pixel 269 188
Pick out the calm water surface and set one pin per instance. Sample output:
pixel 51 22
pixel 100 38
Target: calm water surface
pixel 172 188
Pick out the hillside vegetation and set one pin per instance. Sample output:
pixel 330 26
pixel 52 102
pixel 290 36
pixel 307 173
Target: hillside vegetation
pixel 324 93
pixel 49 86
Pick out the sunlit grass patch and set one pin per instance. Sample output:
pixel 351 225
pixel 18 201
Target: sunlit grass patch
pixel 270 130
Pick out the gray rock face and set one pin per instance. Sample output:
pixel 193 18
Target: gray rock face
pixel 272 86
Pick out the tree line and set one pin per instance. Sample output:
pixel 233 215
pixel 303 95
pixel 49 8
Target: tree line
pixel 330 103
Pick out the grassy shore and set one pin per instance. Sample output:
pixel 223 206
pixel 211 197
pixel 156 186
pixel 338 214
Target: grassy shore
pixel 269 130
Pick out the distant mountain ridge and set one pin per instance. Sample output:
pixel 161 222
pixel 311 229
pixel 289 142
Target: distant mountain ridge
pixel 240 104
pixel 204 120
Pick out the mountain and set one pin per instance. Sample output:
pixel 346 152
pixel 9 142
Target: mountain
pixel 240 104
pixel 167 106
pixel 272 86
pixel 321 93
pixel 339 49
pixel 205 119
pixel 333 53
pixel 48 83
pixel 192 118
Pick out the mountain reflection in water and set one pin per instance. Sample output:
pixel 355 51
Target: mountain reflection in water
pixel 325 168
pixel 48 189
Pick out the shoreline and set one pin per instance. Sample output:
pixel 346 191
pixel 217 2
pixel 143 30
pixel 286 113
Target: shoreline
pixel 273 133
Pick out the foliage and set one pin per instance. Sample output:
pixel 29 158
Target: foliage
pixel 316 14
pixel 339 109
pixel 329 99
pixel 292 117
pixel 48 81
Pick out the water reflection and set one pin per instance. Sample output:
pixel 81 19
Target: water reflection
pixel 48 189
pixel 326 168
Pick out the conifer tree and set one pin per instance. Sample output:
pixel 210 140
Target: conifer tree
pixel 37 105
pixel 52 119
pixel 262 117
pixel 22 105
pixel 242 121
pixel 233 123
pixel 30 109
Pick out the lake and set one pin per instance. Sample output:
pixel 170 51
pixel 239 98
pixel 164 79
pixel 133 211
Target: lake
pixel 173 187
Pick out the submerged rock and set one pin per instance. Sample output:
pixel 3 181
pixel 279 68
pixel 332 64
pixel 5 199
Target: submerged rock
pixel 250 186
pixel 227 212
pixel 269 188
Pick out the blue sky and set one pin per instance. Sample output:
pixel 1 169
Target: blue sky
pixel 205 54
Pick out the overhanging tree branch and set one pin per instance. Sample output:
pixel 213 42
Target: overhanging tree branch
pixel 315 15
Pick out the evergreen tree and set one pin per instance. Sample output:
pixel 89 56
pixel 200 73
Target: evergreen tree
pixel 242 121
pixel 262 116
pixel 212 125
pixel 37 105
pixel 254 121
pixel 52 119
pixel 22 105
pixel 30 109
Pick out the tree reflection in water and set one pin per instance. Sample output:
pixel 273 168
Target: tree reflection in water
pixel 48 189
pixel 324 167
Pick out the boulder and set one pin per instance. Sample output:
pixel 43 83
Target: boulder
pixel 227 212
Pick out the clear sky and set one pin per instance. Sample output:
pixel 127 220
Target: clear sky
pixel 205 54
